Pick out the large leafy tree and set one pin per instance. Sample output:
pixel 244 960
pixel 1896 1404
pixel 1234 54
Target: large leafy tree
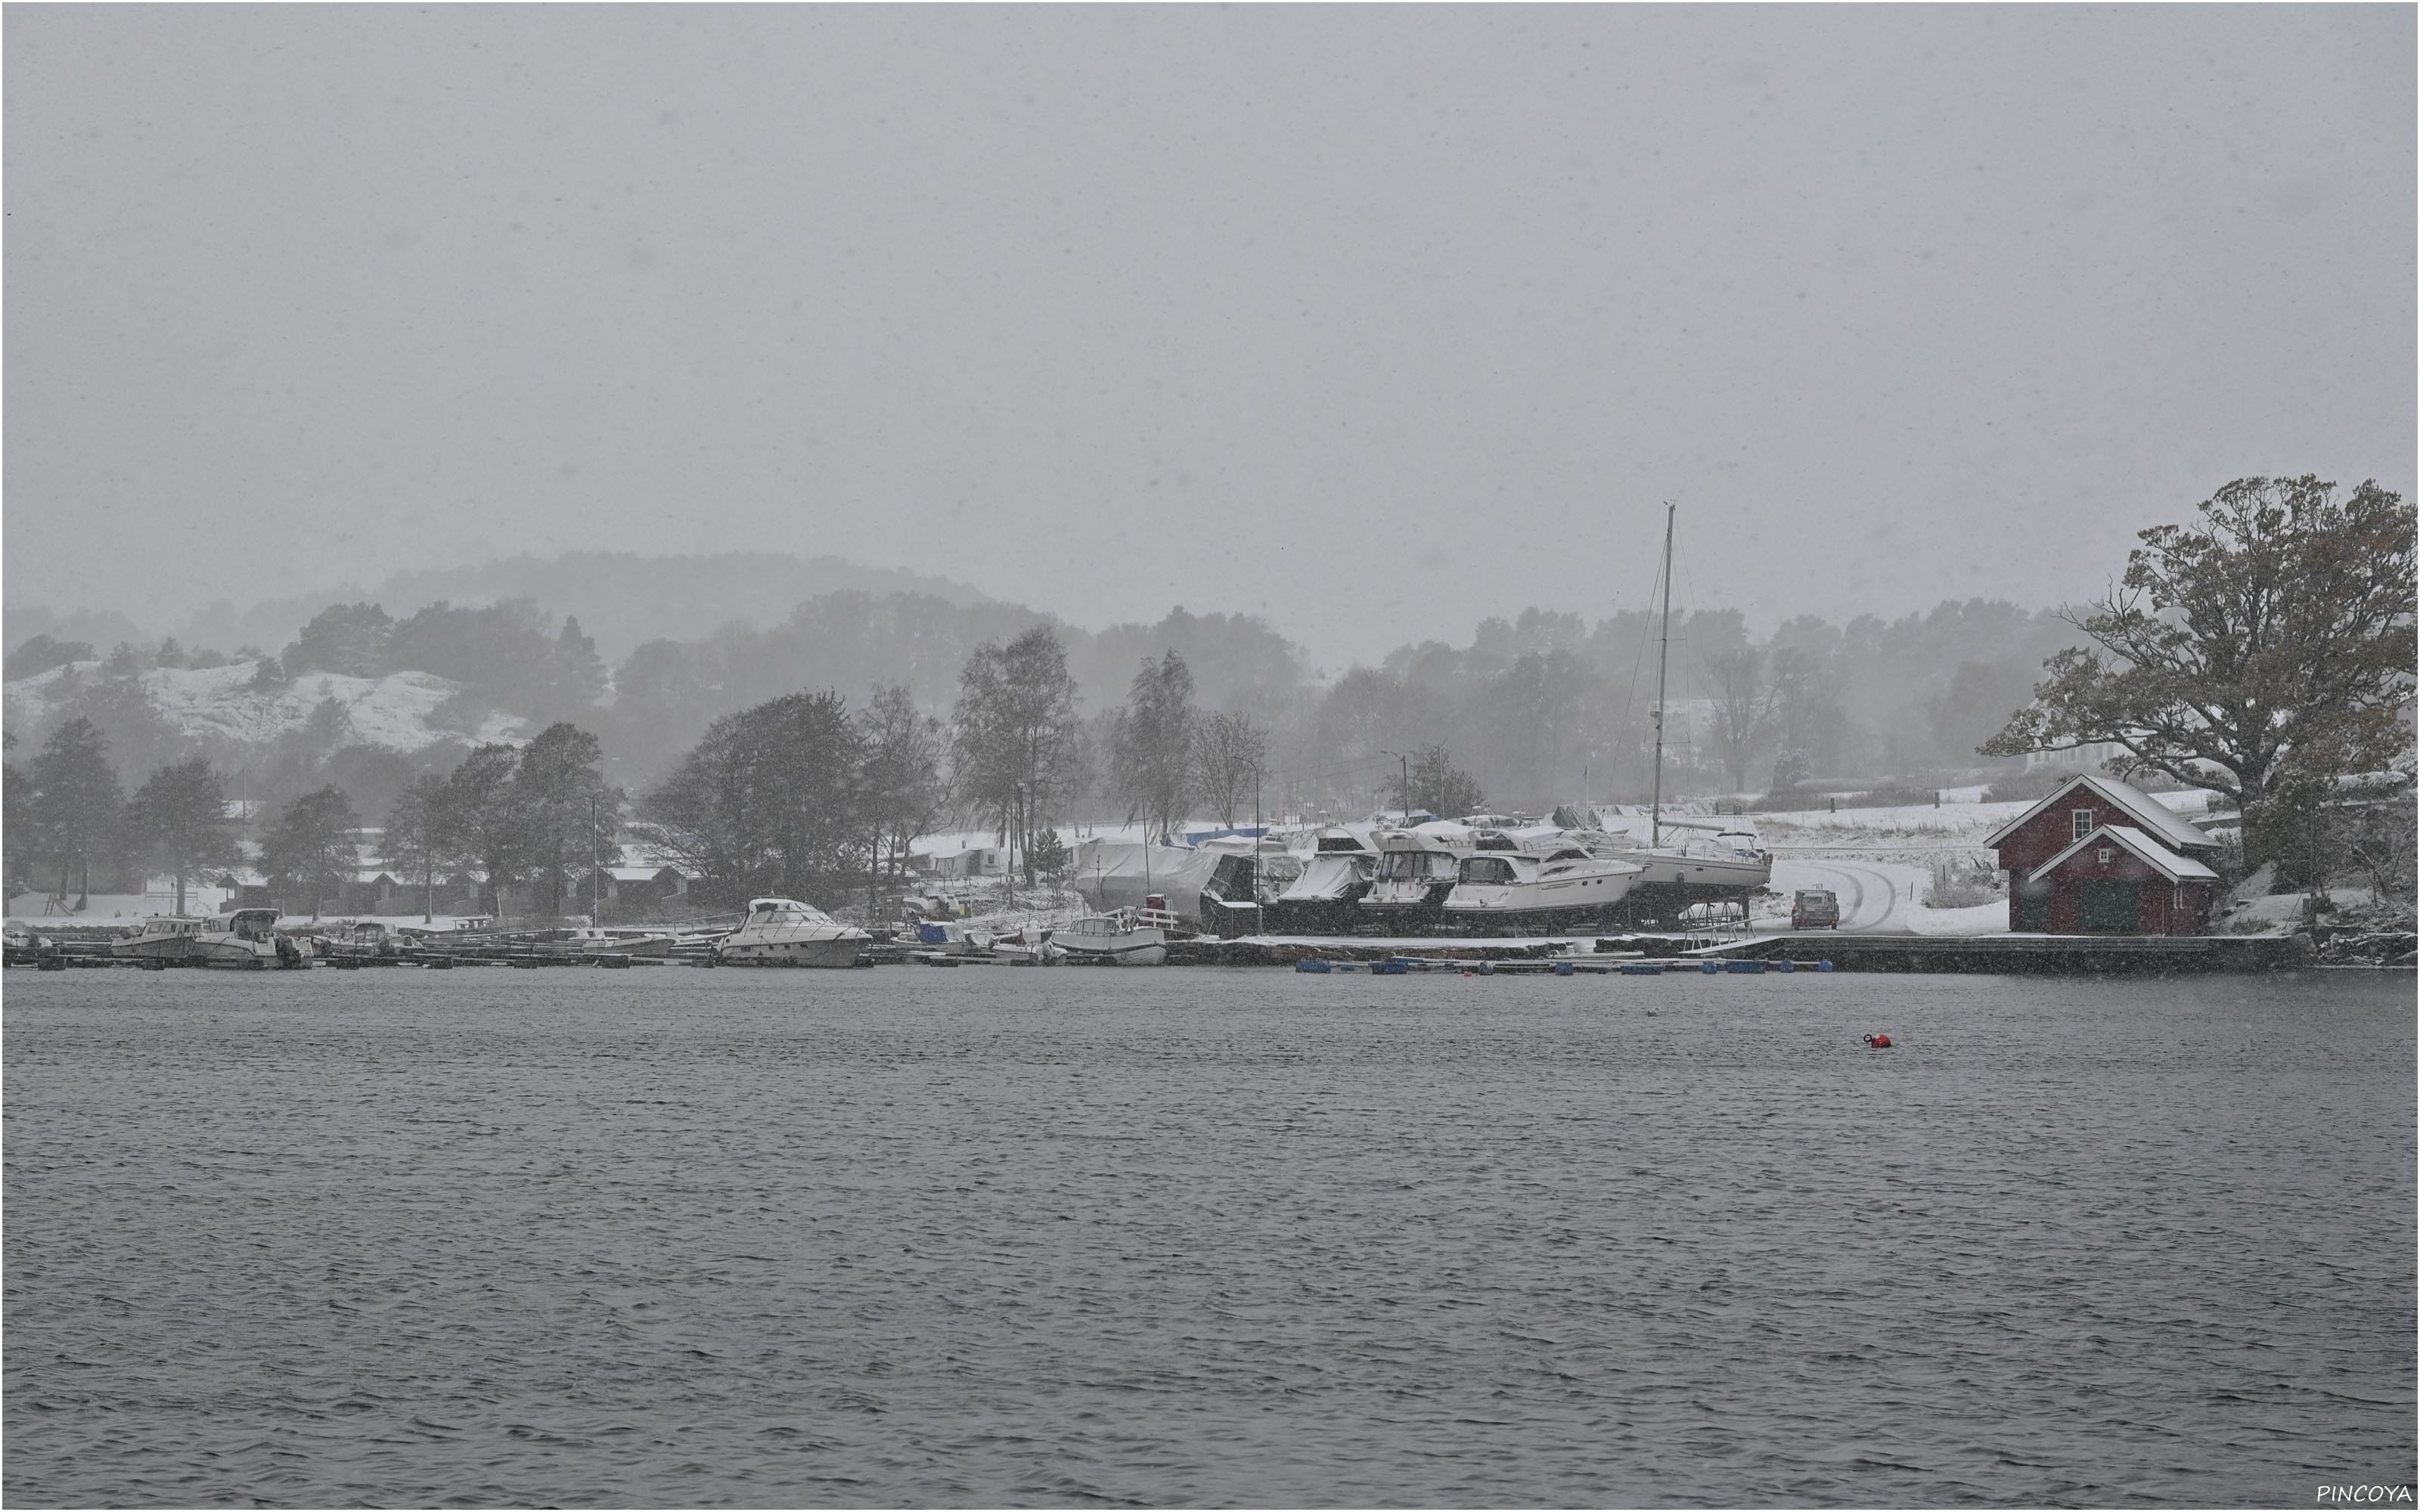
pixel 73 801
pixel 1151 743
pixel 2262 650
pixel 178 820
pixel 420 837
pixel 489 820
pixel 772 798
pixel 309 847
pixel 701 815
pixel 563 800
pixel 1015 746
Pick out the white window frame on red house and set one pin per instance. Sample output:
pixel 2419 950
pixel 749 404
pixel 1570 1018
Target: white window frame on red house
pixel 2079 823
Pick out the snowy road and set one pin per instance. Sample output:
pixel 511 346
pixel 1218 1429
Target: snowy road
pixel 1877 898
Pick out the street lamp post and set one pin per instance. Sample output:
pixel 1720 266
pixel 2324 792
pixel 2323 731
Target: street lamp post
pixel 1406 793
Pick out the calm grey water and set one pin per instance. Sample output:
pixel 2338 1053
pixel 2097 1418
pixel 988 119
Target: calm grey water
pixel 995 1237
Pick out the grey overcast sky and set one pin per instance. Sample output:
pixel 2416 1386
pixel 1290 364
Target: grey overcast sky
pixel 1372 319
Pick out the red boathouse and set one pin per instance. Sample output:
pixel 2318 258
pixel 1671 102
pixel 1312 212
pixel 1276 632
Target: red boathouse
pixel 2101 856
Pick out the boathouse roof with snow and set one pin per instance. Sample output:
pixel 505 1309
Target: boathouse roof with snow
pixel 2112 802
pixel 2099 855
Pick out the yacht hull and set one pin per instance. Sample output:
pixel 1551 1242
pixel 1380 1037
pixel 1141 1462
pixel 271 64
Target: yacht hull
pixel 832 954
pixel 1590 906
pixel 247 955
pixel 1139 953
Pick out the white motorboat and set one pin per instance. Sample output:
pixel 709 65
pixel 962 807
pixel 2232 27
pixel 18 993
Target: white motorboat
pixel 1540 891
pixel 163 937
pixel 1118 939
pixel 1417 869
pixel 783 931
pixel 248 941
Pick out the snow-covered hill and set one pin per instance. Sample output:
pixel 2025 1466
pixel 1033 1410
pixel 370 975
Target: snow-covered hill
pixel 220 702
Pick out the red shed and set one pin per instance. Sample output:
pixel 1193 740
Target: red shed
pixel 2100 855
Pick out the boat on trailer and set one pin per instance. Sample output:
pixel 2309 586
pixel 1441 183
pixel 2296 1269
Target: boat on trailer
pixel 1343 863
pixel 1417 871
pixel 1538 891
pixel 1688 870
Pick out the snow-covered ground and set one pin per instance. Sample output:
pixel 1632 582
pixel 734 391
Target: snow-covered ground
pixel 1879 861
pixel 221 703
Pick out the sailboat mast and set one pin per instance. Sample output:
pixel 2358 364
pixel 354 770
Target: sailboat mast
pixel 1663 656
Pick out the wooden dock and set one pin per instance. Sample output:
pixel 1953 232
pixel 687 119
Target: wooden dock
pixel 2064 955
pixel 2049 955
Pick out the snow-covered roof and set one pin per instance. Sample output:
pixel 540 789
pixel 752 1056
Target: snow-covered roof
pixel 2149 851
pixel 2154 817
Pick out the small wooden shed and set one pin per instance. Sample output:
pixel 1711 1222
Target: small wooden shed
pixel 2101 856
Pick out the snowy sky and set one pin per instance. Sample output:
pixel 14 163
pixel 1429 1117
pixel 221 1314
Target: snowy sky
pixel 1374 319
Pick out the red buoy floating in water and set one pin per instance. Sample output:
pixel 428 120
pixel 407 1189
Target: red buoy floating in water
pixel 1880 1041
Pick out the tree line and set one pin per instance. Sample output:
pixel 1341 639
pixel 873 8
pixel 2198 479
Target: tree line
pixel 509 816
pixel 798 794
pixel 2263 649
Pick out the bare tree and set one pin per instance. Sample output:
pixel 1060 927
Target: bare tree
pixel 1230 753
pixel 1742 716
pixel 1151 743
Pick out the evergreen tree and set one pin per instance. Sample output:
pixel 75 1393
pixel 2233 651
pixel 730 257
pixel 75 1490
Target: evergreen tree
pixel 73 801
pixel 178 819
pixel 350 638
pixel 574 656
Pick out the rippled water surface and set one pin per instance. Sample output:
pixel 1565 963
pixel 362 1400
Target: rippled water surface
pixel 996 1237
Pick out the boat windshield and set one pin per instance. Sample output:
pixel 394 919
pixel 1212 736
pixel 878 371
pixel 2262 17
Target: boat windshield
pixel 1493 871
pixel 1415 866
pixel 788 912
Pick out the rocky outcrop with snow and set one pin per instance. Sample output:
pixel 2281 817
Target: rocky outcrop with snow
pixel 222 704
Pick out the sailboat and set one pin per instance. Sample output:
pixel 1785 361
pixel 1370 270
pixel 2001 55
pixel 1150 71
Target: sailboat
pixel 1701 862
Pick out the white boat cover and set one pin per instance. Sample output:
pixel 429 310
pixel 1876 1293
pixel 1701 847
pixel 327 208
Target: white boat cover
pixel 1111 874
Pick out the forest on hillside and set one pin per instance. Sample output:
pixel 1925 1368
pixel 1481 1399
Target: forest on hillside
pixel 1542 708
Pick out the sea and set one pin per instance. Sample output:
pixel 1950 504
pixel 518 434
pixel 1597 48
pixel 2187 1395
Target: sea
pixel 1205 1237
